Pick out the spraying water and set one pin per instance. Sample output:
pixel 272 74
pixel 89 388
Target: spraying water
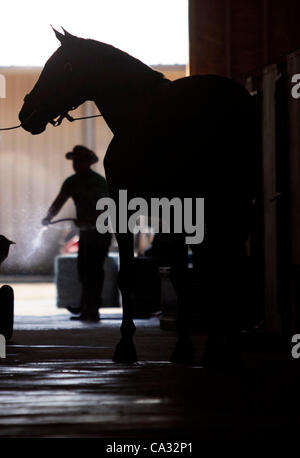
pixel 37 242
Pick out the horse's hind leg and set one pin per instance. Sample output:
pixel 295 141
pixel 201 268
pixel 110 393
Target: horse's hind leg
pixel 125 350
pixel 184 350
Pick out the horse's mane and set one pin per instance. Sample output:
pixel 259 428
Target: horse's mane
pixel 122 64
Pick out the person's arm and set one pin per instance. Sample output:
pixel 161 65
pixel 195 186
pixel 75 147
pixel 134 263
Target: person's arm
pixel 56 206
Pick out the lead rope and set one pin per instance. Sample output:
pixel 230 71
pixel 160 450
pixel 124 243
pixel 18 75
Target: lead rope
pixel 58 121
pixel 10 128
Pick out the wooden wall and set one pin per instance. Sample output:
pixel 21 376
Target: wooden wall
pixel 234 37
pixel 260 39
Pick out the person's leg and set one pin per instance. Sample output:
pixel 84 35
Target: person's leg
pixel 82 269
pixel 96 249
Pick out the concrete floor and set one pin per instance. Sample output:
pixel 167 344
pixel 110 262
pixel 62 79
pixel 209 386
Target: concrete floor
pixel 58 380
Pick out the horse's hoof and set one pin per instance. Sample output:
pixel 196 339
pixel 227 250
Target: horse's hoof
pixel 184 352
pixel 125 352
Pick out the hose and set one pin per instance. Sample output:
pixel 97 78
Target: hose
pixel 62 220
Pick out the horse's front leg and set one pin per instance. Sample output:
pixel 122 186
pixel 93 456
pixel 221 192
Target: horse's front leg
pixel 125 350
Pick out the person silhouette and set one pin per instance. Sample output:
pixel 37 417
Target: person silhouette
pixel 85 187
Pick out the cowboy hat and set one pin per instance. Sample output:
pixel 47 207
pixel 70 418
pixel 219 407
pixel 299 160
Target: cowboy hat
pixel 83 153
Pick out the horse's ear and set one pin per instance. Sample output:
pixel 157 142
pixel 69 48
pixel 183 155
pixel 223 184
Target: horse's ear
pixel 58 35
pixel 67 34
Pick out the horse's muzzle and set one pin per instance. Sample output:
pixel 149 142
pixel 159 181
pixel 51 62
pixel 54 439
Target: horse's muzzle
pixel 32 122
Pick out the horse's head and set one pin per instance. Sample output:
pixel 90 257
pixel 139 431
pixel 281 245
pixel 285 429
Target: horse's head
pixel 56 91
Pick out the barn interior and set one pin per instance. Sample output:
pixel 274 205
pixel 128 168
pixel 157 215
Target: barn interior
pixel 58 379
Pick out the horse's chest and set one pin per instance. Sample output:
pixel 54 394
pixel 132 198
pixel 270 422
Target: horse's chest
pixel 124 159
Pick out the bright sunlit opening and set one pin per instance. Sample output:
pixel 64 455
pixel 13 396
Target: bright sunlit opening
pixel 154 31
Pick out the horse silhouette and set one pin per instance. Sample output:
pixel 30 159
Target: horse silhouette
pixel 193 137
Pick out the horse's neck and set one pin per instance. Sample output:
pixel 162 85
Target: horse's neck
pixel 122 109
pixel 123 89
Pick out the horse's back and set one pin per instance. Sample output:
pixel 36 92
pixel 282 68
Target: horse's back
pixel 198 138
pixel 204 127
pixel 205 92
